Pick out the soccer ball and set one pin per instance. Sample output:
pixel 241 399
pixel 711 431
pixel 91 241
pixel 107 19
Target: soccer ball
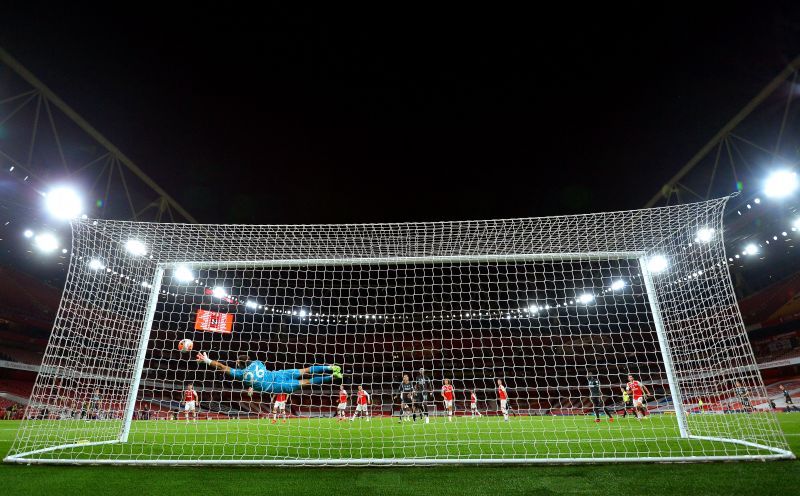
pixel 185 345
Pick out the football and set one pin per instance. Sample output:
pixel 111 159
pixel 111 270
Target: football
pixel 185 345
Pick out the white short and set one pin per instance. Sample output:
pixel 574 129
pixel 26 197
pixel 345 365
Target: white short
pixel 637 402
pixel 362 408
pixel 473 406
pixel 448 403
pixel 279 405
pixel 189 406
pixel 342 406
pixel 503 404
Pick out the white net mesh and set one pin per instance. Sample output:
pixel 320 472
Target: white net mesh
pixel 560 309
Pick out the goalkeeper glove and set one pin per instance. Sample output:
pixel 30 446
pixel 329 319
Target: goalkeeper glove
pixel 203 357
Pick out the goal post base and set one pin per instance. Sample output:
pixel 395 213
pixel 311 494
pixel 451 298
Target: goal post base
pixel 782 453
pixel 20 457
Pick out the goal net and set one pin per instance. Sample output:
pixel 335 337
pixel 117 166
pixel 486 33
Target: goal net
pixel 602 337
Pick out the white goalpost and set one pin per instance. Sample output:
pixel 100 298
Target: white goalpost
pixel 549 322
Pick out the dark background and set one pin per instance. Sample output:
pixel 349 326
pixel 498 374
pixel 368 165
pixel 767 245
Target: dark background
pixel 252 114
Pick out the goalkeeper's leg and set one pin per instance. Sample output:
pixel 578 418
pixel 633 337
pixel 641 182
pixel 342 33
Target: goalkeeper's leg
pixel 334 370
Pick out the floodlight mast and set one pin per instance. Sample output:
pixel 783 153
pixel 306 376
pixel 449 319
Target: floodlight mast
pixel 753 104
pixel 51 98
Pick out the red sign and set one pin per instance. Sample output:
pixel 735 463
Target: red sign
pixel 213 321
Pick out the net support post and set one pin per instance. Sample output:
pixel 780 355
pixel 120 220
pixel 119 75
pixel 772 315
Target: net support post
pixel 663 342
pixel 141 352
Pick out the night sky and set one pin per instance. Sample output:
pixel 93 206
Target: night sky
pixel 311 116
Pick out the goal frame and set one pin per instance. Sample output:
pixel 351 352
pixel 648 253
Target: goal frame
pixel 653 304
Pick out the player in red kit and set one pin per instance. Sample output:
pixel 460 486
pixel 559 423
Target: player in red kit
pixel 448 394
pixel 279 405
pixel 190 402
pixel 362 404
pixel 638 392
pixel 473 404
pixel 341 409
pixel 502 395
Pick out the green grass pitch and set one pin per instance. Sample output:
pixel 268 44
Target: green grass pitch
pixel 695 479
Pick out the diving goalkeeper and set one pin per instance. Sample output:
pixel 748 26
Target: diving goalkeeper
pixel 254 374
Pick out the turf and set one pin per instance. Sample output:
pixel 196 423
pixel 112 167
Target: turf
pixel 438 437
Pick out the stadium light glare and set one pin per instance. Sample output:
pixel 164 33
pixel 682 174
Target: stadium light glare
pixel 28 233
pixel 96 264
pixel 46 242
pixel 657 263
pixel 63 203
pixel 251 304
pixel 302 313
pixel 781 184
pixel 750 249
pixel 183 274
pixel 219 292
pixel 704 235
pixel 617 285
pixel 586 298
pixel 136 247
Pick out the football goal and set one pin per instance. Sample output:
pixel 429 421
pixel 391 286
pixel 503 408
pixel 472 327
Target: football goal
pixel 610 337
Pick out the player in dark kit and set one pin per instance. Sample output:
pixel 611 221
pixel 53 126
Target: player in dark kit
pixel 598 402
pixel 744 396
pixel 421 387
pixel 406 393
pixel 419 404
pixel 788 399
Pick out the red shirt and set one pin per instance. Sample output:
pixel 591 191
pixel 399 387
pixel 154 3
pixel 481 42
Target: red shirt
pixel 501 392
pixel 280 397
pixel 635 388
pixel 190 395
pixel 342 396
pixel 363 397
pixel 447 392
pixel 473 398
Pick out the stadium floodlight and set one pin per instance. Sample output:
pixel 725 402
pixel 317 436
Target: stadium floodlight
pixel 750 249
pixel 704 235
pixel 617 285
pixel 45 242
pixel 657 263
pixel 219 292
pixel 586 298
pixel 28 233
pixel 63 203
pixel 781 184
pixel 301 313
pixel 251 304
pixel 96 264
pixel 136 247
pixel 183 274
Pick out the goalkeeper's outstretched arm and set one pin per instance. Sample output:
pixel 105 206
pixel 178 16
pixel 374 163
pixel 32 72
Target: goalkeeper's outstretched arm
pixel 203 357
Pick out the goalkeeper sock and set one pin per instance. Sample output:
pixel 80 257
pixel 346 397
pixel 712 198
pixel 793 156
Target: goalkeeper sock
pixel 321 379
pixel 319 369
